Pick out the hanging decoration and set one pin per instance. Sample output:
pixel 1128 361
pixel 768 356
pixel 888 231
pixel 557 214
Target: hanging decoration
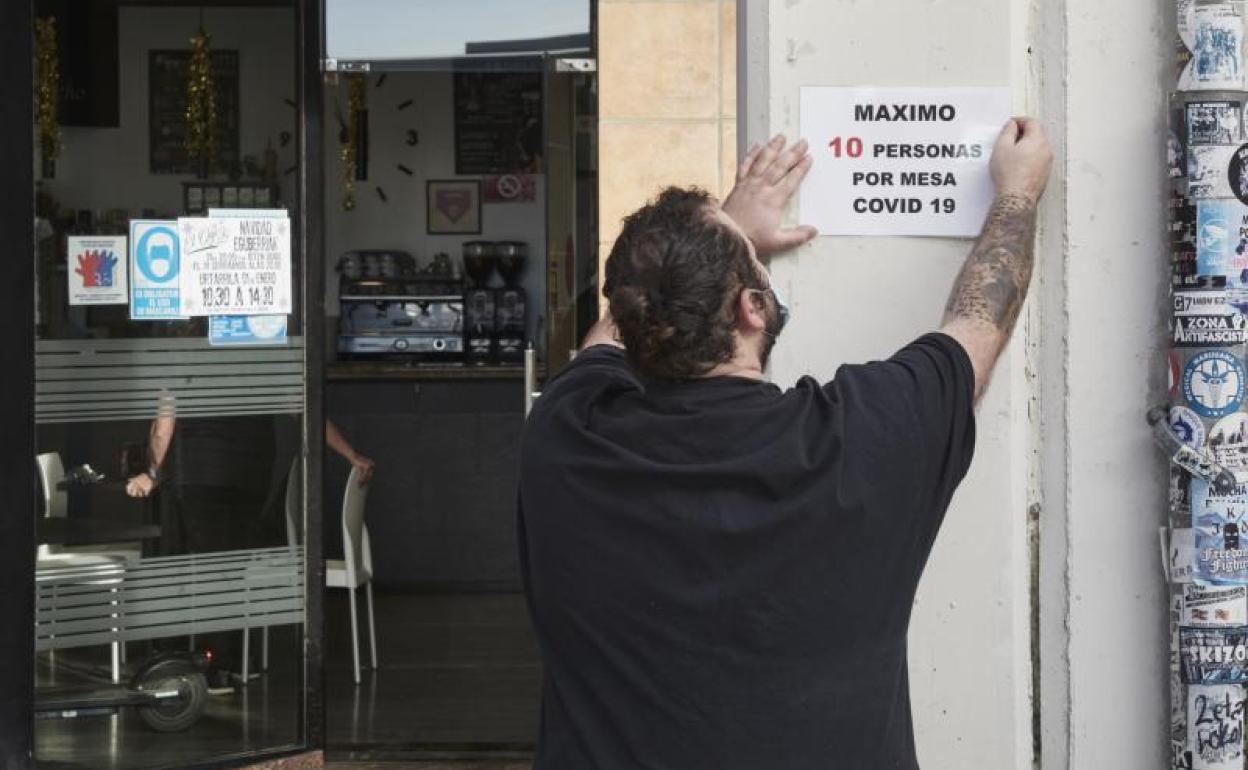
pixel 201 106
pixel 351 138
pixel 47 93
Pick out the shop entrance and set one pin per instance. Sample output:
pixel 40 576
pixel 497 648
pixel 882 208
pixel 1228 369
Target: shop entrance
pixel 460 225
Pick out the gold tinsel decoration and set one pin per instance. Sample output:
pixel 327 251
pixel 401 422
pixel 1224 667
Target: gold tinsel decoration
pixel 201 105
pixel 47 88
pixel 349 152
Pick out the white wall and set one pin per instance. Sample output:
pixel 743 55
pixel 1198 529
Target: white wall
pixel 105 168
pixel 858 299
pixel 400 222
pixel 1061 430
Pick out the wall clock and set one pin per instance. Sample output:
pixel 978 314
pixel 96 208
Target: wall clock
pixel 358 135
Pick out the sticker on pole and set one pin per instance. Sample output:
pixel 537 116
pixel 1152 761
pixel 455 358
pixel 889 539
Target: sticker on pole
pixel 1214 655
pixel 900 161
pixel 1215 718
pixel 155 267
pixel 1213 383
pixel 1221 545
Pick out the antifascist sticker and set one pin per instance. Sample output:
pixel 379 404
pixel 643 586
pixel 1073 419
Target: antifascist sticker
pixel 1213 383
pixel 1214 655
pixel 1200 331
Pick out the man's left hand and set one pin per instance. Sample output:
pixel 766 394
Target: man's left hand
pixel 766 181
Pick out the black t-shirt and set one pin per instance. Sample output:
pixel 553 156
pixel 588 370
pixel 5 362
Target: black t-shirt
pixel 720 573
pixel 235 453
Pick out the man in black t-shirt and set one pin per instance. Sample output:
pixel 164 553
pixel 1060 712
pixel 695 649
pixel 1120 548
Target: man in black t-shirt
pixel 720 573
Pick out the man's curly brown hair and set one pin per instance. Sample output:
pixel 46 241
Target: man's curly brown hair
pixel 673 278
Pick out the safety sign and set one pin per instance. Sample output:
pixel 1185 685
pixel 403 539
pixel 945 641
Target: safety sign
pixel 900 161
pixel 155 267
pixel 97 270
pixel 235 265
pixel 247 330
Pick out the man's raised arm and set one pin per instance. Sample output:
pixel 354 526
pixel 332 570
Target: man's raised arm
pixel 989 292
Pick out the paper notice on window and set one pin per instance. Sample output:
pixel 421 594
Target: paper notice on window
pixel 235 265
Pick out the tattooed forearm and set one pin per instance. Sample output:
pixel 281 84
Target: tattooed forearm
pixel 993 282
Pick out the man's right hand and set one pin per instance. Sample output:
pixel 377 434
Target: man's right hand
pixel 1022 160
pixel 140 485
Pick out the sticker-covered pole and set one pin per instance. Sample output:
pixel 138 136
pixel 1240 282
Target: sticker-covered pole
pixel 1206 425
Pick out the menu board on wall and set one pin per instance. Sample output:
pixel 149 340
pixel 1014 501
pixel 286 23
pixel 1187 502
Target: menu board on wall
pixel 498 123
pixel 166 73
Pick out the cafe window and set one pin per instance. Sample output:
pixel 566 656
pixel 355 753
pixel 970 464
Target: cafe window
pixel 171 382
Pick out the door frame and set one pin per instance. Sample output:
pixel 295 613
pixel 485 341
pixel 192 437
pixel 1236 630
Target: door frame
pixel 17 354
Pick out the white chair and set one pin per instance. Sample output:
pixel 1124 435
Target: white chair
pixel 51 557
pixel 356 569
pixel 294 529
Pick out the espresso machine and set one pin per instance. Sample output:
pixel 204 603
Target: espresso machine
pixel 509 306
pixel 392 310
pixel 480 343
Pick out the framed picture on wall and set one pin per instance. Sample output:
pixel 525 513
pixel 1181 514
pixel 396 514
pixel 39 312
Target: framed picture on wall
pixel 454 206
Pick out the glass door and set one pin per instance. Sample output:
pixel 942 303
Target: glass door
pixel 459 209
pixel 172 385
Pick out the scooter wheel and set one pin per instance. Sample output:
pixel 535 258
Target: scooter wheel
pixel 179 713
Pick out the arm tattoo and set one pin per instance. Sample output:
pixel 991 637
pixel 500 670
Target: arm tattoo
pixel 993 282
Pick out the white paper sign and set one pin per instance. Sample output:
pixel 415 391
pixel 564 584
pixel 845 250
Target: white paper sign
pixel 235 265
pixel 900 161
pixel 97 270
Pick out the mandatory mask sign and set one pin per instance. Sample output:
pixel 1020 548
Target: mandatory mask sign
pixel 900 161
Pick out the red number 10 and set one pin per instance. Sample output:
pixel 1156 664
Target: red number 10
pixel 853 147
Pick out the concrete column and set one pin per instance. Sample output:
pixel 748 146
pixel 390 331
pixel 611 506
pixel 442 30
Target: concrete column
pixel 858 299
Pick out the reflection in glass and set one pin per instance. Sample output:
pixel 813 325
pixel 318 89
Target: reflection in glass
pixel 170 567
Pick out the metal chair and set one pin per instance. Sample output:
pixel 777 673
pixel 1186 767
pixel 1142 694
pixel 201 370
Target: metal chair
pixel 356 569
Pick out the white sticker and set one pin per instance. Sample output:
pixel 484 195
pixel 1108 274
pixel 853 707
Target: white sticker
pixel 1228 441
pixel 1215 722
pixel 1214 606
pixel 1182 555
pixel 1207 167
pixel 900 161
pixel 97 270
pixel 1216 41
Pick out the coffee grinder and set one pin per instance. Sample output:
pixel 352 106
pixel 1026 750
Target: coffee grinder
pixel 480 331
pixel 510 305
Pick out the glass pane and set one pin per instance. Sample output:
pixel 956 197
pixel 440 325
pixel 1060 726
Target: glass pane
pixel 379 30
pixel 169 571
